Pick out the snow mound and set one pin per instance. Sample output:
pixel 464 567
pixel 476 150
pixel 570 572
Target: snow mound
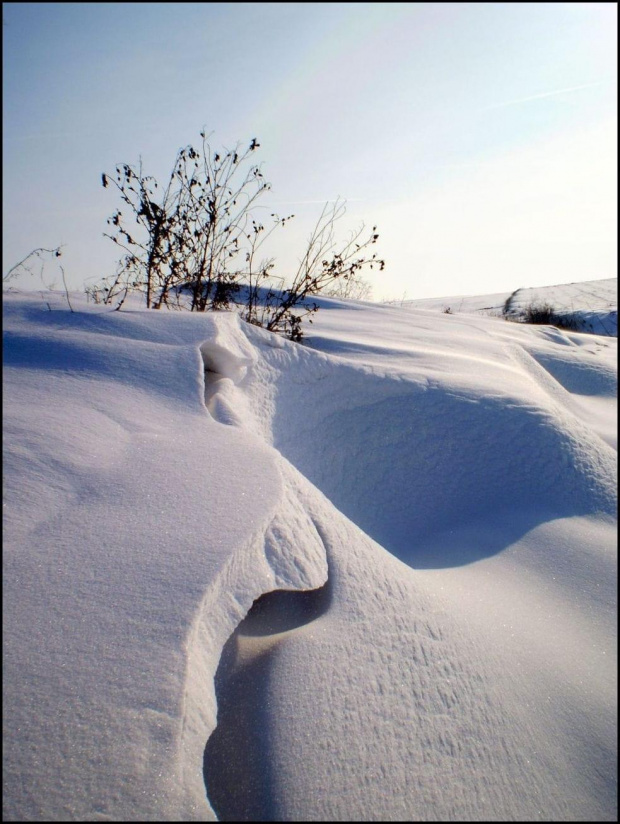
pixel 404 457
pixel 138 532
pixel 588 307
pixel 442 477
pixel 369 578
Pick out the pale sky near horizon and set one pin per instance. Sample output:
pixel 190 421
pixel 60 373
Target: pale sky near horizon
pixel 481 138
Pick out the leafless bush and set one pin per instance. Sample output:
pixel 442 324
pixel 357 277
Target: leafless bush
pixel 34 263
pixel 195 242
pixel 539 313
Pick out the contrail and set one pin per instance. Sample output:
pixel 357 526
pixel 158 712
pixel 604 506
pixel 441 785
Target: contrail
pixel 539 96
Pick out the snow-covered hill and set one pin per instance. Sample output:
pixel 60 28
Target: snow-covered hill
pixel 591 306
pixel 426 503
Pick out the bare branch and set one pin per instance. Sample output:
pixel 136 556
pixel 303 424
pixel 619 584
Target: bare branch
pixel 13 271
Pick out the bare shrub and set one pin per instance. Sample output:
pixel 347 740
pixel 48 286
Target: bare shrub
pixel 545 314
pixel 34 263
pixel 194 243
pixel 539 313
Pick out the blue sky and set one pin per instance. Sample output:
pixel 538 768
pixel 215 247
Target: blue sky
pixel 481 138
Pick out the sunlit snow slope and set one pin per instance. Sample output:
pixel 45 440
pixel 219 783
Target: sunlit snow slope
pixel 591 306
pixel 442 486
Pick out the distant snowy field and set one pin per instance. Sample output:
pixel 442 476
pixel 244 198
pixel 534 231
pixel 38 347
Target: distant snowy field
pixel 426 503
pixel 593 305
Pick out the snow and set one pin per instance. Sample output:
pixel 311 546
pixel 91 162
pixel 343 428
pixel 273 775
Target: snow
pixel 426 503
pixel 591 306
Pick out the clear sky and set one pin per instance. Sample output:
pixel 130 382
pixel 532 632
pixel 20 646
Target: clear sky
pixel 481 138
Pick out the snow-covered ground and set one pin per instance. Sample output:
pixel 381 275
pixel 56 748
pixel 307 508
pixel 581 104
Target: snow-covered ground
pixel 591 306
pixel 426 503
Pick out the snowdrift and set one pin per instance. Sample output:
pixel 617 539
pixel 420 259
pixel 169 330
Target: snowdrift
pixel 370 578
pixel 590 306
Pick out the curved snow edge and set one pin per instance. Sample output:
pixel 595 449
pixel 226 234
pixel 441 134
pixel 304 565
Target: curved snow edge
pixel 287 554
pixel 228 353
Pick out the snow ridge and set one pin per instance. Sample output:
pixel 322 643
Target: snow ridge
pixel 287 553
pixel 290 394
pixel 389 567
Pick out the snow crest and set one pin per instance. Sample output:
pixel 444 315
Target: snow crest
pixel 286 554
